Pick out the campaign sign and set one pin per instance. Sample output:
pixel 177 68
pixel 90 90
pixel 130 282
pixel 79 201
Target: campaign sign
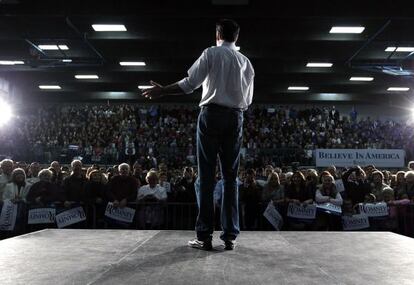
pixel 8 216
pixel 41 216
pixel 70 217
pixel 301 212
pixel 374 210
pixel 348 157
pixel 273 216
pixel 355 222
pixel 120 214
pixel 331 208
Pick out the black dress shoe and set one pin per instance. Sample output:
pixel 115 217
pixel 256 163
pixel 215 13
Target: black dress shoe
pixel 200 244
pixel 229 244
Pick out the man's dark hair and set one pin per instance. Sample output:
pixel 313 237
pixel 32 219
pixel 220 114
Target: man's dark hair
pixel 228 29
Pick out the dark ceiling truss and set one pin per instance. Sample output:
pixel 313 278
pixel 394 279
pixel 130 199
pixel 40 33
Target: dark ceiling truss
pixel 170 36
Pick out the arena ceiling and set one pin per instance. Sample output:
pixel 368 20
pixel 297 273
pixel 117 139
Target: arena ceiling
pixel 168 36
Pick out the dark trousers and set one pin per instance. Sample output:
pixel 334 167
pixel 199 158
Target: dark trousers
pixel 219 132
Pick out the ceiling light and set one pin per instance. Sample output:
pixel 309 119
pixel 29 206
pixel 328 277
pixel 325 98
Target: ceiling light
pixel 361 78
pixel 398 89
pixel 11 62
pixel 399 49
pixel 298 88
pixel 90 76
pixel 145 86
pixel 346 30
pixel 53 47
pixel 132 63
pixel 108 28
pixel 66 60
pixel 319 64
pixel 48 47
pixel 50 87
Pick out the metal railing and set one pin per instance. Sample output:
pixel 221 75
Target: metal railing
pixel 182 216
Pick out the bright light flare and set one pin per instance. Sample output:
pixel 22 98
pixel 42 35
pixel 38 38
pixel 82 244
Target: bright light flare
pixel 6 113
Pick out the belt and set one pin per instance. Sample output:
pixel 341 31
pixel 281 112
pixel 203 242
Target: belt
pixel 220 107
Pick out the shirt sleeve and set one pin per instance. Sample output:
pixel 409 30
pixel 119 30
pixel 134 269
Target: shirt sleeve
pixel 196 74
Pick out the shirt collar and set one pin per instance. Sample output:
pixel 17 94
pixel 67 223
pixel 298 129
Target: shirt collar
pixel 231 45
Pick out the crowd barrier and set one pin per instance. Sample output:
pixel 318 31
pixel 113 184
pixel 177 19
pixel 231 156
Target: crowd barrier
pixel 182 216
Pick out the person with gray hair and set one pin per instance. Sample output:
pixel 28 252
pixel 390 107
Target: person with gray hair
pixel 17 189
pixel 123 187
pixel 6 166
pixel 44 192
pixel 74 185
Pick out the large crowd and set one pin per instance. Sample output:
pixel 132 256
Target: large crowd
pixel 68 186
pixel 142 153
pixel 111 134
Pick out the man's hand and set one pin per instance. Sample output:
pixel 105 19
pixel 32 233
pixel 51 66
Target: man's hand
pixel 155 92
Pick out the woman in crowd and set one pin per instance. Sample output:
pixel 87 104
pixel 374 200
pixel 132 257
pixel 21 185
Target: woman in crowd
pixel 399 186
pixel 356 185
pixel 272 190
pixel 297 193
pixel 378 186
pixel 327 192
pixel 17 189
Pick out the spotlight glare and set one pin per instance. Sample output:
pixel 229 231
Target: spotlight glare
pixel 6 113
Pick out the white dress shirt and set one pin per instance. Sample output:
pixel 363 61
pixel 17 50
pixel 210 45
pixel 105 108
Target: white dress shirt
pixel 226 76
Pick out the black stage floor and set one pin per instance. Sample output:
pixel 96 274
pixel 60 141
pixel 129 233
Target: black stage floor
pixel 162 257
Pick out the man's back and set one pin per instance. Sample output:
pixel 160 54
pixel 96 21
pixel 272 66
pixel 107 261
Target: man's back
pixel 225 74
pixel 231 74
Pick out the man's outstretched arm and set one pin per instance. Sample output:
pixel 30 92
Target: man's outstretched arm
pixel 196 75
pixel 158 90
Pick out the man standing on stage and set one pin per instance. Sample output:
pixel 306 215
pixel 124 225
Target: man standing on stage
pixel 227 79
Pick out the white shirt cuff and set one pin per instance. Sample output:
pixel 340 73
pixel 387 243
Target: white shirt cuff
pixel 185 86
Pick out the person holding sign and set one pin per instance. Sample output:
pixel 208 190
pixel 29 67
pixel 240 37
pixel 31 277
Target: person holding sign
pixel 17 189
pixel 327 193
pixel 297 193
pixel 6 166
